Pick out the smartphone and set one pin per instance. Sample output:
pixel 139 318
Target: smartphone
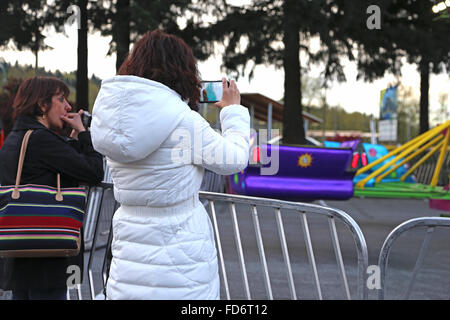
pixel 86 118
pixel 211 91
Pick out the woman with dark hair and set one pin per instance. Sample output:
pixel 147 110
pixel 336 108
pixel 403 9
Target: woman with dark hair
pixel 41 105
pixel 157 148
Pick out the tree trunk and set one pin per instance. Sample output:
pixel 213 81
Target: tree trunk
pixel 121 31
pixel 293 129
pixel 36 61
pixel 424 89
pixel 324 119
pixel 82 96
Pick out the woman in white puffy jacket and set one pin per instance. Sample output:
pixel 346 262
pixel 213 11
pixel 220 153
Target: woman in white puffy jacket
pixel 157 148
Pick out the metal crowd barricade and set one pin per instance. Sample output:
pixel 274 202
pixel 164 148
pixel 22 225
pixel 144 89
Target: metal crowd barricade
pixel 90 267
pixel 93 207
pixel 99 212
pixel 302 209
pixel 430 223
pixel 213 182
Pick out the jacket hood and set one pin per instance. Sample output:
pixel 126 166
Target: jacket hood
pixel 132 117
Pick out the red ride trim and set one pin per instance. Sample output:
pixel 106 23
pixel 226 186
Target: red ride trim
pixel 355 160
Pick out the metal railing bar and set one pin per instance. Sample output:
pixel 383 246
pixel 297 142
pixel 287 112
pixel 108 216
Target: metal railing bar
pixel 79 294
pixel 285 254
pixel 262 255
pixel 89 220
pixel 339 259
pixel 219 249
pixel 419 261
pixel 94 240
pixel 77 291
pixel 92 216
pixel 240 251
pixel 273 203
pixel 310 252
pixel 340 262
pixel 108 246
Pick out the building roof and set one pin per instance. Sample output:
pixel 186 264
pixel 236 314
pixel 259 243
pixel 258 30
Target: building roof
pixel 260 103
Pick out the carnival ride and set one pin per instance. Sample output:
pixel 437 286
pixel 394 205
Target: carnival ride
pixel 302 173
pixel 340 171
pixel 337 171
pixel 423 147
pixel 365 153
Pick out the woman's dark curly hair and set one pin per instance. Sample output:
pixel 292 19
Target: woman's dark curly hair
pixel 166 59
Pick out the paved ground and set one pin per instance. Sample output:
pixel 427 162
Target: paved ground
pixel 376 218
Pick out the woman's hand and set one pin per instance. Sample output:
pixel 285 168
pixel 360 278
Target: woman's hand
pixel 230 94
pixel 74 121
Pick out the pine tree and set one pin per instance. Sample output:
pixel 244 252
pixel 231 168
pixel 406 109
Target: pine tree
pixel 409 30
pixel 275 32
pixel 23 23
pixel 127 20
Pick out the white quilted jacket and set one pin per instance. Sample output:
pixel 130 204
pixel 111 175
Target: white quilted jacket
pixel 157 149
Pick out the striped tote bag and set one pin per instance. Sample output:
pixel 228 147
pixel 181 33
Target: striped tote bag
pixel 40 221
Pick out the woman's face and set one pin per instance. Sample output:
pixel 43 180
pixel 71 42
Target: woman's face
pixel 58 108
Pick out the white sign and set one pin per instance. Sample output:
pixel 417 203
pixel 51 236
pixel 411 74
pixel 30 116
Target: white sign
pixel 387 130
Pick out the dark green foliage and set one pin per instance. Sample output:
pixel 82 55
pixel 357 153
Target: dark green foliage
pixel 127 20
pixel 409 30
pixel 18 73
pixel 268 32
pixel 23 23
pixel 274 33
pixel 7 95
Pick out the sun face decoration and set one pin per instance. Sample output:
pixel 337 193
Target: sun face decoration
pixel 305 160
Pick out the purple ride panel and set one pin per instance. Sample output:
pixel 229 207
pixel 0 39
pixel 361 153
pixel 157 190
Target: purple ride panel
pixel 305 174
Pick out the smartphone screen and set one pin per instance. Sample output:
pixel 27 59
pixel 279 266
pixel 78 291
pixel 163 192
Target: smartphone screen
pixel 211 91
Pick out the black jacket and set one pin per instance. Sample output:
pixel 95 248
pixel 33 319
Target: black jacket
pixel 47 154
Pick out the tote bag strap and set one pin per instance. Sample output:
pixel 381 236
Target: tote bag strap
pixel 16 194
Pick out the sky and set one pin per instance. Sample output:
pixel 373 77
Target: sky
pixel 352 95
